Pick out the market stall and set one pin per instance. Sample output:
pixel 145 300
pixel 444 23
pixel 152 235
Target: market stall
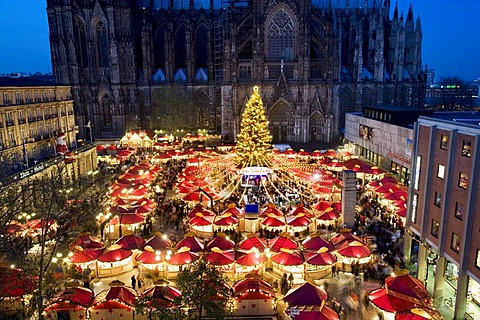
pixel 117 302
pixel 71 303
pixel 114 260
pixel 253 297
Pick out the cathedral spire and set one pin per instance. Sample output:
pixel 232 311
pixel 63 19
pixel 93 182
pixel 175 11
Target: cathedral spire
pixel 410 13
pixel 395 12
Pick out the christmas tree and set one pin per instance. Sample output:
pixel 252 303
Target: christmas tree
pixel 254 141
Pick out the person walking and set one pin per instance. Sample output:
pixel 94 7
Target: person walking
pixel 134 281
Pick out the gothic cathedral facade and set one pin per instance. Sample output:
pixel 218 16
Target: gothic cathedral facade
pixel 177 64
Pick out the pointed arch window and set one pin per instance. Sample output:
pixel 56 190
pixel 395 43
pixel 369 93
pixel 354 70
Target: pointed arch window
pixel 160 48
pixel 102 45
pixel 82 44
pixel 281 36
pixel 201 51
pixel 180 49
pixel 106 112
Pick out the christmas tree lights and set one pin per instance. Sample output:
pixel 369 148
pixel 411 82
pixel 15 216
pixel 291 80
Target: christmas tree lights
pixel 254 147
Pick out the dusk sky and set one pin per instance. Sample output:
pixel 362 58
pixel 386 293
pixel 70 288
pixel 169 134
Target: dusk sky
pixel 451 36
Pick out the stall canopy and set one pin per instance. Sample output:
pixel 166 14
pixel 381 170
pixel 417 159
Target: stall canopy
pixel 317 242
pixel 252 288
pixel 130 242
pixel 193 243
pixel 419 314
pixel 322 312
pixel 288 257
pixel 282 241
pixel 116 297
pixel 15 283
pixel 73 298
pixel 162 294
pixel 249 258
pixel 88 241
pixel 183 256
pixel 158 242
pixel 221 241
pixel 114 253
pixel 219 257
pixel 305 294
pixel 253 241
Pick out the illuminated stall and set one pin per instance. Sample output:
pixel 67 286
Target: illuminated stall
pixel 253 297
pixel 71 303
pixel 117 302
pixel 114 260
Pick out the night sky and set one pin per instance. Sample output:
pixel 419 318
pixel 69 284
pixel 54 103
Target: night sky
pixel 451 36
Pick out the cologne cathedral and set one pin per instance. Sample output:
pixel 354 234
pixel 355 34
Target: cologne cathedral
pixel 191 64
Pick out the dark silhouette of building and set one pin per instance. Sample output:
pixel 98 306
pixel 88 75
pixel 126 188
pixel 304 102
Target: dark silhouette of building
pixel 178 64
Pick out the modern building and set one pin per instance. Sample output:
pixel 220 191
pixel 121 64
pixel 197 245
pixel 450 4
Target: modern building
pixel 443 218
pixel 170 65
pixel 31 117
pixel 384 136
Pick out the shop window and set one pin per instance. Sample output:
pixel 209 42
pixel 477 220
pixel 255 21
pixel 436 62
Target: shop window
pixel 438 199
pixel 459 210
pixel 435 228
pixel 466 148
pixel 463 180
pixel 455 245
pixel 441 171
pixel 477 260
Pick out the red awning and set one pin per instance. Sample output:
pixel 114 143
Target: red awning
pixel 316 243
pixel 183 256
pixel 305 294
pixel 355 250
pixel 253 242
pixel 220 242
pixel 243 289
pixel 191 242
pixel 114 253
pixel 319 258
pixel 15 283
pixel 391 301
pixel 117 297
pixel 273 221
pixel 249 258
pixel 163 295
pixel 158 242
pixel 130 242
pixel 71 299
pixel 280 242
pixel 88 241
pixel 220 258
pixel 226 220
pixel 419 314
pixel 84 256
pixel 288 257
pixel 200 220
pixel 322 312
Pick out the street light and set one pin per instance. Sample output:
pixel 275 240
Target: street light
pixel 92 174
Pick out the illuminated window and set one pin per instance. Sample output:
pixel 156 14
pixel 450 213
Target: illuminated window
pixel 477 260
pixel 416 178
pixel 463 180
pixel 456 241
pixel 438 199
pixel 444 142
pixel 435 228
pixel 414 207
pixel 441 171
pixel 459 210
pixel 466 148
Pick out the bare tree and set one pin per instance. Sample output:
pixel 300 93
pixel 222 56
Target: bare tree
pixel 54 218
